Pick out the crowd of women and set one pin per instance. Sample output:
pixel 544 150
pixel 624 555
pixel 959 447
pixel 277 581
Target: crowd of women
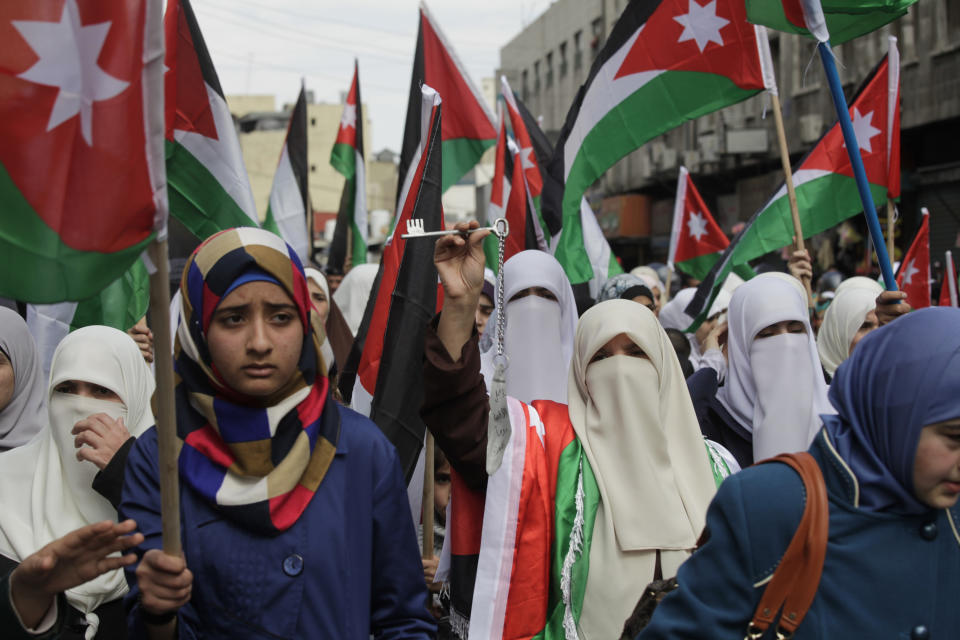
pixel 622 455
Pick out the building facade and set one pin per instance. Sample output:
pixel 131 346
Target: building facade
pixel 733 154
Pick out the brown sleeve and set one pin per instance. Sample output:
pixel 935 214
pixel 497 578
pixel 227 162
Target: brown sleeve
pixel 455 405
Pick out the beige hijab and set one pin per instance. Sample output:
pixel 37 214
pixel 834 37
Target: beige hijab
pixel 635 421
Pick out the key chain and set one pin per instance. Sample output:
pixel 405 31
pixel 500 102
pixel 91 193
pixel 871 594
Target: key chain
pixel 498 420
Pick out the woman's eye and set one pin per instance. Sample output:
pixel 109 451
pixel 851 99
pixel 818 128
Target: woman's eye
pixel 63 388
pixel 102 391
pixel 283 318
pixel 598 356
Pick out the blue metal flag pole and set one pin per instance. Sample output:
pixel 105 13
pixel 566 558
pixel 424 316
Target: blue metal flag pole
pixel 853 150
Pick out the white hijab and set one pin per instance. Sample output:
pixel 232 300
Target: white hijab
pixel 45 491
pixel 636 423
pixel 354 291
pixel 674 315
pixel 774 387
pixel 320 280
pixel 854 299
pixel 539 332
pixel 22 418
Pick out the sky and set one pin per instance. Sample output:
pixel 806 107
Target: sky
pixel 267 46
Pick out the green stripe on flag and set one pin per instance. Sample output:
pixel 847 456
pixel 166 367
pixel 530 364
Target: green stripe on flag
pixel 846 19
pixel 38 267
pixel 459 156
pixel 665 102
pixel 343 159
pixel 196 197
pixel 568 475
pixel 120 305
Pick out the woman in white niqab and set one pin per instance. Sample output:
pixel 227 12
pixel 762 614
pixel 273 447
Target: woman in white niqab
pixel 774 387
pixel 853 302
pixel 636 423
pixel 45 490
pixel 539 332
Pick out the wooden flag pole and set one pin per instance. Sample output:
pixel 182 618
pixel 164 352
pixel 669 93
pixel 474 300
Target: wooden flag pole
pixel 427 508
pixel 890 228
pixel 791 194
pixel 165 405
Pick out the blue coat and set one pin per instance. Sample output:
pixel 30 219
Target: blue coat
pixel 885 576
pixel 348 568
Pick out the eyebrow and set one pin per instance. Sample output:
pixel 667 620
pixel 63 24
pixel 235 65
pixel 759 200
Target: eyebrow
pixel 272 306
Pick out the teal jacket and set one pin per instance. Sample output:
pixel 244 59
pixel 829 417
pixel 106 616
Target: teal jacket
pixel 885 575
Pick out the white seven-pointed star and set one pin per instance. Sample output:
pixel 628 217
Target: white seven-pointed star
pixel 909 271
pixel 526 158
pixel 68 53
pixel 864 130
pixel 697 224
pixel 349 118
pixel 702 24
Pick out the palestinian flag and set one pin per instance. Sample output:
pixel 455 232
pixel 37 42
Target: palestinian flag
pixel 696 240
pixel 511 199
pixel 602 260
pixel 390 339
pixel 208 185
pixel 826 189
pixel 666 62
pixel 833 20
pixel 289 203
pixel 81 165
pixel 120 305
pixel 350 234
pixel 948 289
pixel 914 275
pixel 468 128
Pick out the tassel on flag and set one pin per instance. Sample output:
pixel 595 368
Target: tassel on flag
pixel 914 276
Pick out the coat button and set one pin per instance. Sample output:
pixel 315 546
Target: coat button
pixel 293 565
pixel 928 532
pixel 920 632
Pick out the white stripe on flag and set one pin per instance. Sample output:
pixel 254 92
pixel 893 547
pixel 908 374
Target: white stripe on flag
pixel 598 251
pixel 678 208
pixel 360 198
pixel 286 205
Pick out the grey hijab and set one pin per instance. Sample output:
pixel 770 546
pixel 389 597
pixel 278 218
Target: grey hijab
pixel 23 417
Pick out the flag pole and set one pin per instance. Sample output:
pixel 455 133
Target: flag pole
pixel 791 193
pixel 426 509
pixel 890 228
pixel 853 151
pixel 165 406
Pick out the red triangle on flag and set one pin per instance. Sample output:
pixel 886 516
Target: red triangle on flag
pixel 914 276
pixel 463 117
pixel 703 36
pixel 695 231
pixel 347 133
pixel 526 157
pixel 187 103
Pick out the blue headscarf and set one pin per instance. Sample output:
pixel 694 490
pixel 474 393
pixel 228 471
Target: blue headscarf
pixel 899 379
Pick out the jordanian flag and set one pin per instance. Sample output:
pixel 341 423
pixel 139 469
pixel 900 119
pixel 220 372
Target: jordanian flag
pixel 469 128
pixel 81 171
pixel 696 240
pixel 914 276
pixel 826 189
pixel 208 184
pixel 833 20
pixel 289 202
pixel 347 158
pixel 542 151
pixel 666 62
pixel 510 199
pixel 389 385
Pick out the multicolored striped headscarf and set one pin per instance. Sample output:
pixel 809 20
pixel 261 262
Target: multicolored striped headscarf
pixel 259 460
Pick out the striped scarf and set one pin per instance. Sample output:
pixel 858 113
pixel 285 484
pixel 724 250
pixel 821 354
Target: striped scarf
pixel 258 461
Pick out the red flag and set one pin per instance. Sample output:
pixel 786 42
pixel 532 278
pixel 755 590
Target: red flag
pixel 914 276
pixel 948 290
pixel 696 239
pixel 81 163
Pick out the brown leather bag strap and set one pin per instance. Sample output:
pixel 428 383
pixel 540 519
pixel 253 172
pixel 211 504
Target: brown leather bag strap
pixel 795 581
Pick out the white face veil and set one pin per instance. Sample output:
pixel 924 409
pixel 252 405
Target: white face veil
pixel 774 387
pixel 635 421
pixel 854 299
pixel 539 332
pixel 45 491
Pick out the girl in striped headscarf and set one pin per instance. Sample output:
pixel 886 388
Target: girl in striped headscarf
pixel 294 511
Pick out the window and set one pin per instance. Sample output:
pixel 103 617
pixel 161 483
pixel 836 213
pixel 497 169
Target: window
pixel 563 59
pixel 596 28
pixel 577 50
pixel 525 86
pixel 536 77
pixel 549 78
